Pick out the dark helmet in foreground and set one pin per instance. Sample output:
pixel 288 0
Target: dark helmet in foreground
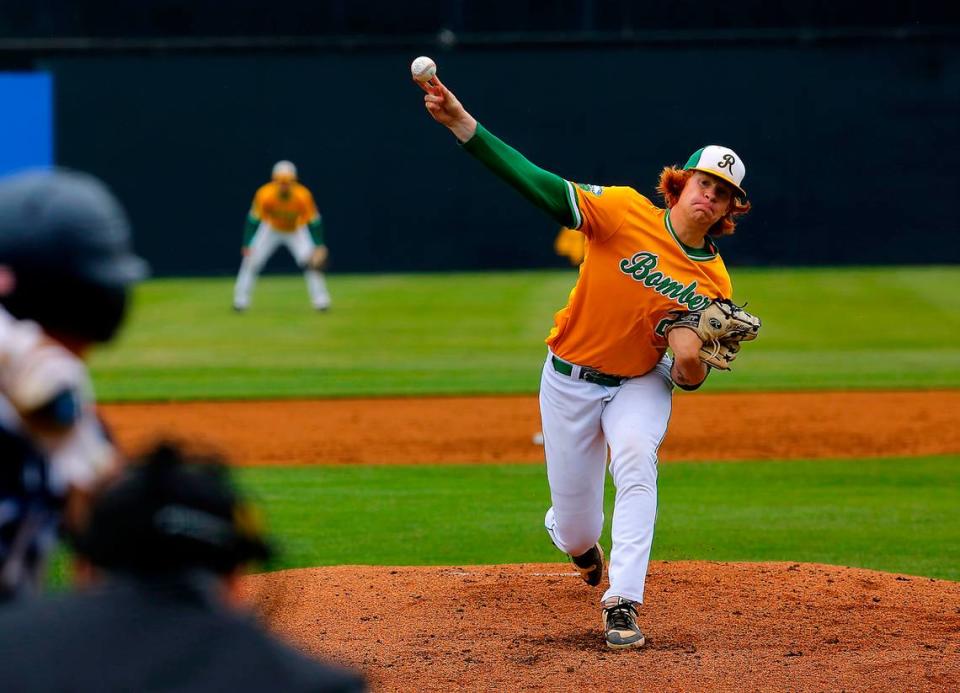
pixel 172 510
pixel 66 260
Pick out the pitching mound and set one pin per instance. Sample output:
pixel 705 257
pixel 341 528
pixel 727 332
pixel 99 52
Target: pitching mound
pixel 710 626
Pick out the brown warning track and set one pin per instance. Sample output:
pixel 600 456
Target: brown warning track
pixel 499 429
pixel 711 626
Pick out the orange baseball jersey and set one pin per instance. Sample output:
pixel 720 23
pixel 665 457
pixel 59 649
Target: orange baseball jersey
pixel 636 272
pixel 284 213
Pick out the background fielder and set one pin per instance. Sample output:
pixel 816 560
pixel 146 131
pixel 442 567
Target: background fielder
pixel 571 244
pixel 283 213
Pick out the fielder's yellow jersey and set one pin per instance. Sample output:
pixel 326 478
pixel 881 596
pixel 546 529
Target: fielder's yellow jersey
pixel 571 245
pixel 636 271
pixel 285 214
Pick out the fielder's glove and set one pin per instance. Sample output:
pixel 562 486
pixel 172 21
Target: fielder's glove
pixel 722 326
pixel 318 259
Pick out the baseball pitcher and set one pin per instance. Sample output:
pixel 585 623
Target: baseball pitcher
pixel 652 278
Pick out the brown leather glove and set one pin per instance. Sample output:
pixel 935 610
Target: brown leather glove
pixel 722 326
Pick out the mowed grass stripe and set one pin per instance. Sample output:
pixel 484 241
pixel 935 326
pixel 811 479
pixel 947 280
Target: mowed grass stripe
pixel 476 333
pixel 899 515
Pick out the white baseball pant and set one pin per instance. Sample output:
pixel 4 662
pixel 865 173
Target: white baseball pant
pixel 580 420
pixel 264 243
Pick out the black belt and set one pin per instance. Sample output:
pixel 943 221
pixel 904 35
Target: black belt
pixel 591 375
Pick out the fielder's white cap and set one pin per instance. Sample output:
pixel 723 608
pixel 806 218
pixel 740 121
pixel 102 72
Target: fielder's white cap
pixel 285 170
pixel 721 162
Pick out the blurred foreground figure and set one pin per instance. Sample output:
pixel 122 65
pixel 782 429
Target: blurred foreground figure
pixel 65 270
pixel 161 554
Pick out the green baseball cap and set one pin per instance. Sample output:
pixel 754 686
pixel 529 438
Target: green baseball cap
pixel 722 162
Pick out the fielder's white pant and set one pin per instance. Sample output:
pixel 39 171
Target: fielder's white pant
pixel 580 419
pixel 264 243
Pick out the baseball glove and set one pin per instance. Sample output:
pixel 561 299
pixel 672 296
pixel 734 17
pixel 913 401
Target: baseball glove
pixel 318 259
pixel 722 326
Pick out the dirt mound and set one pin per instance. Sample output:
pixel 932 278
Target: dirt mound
pixel 711 626
pixel 497 429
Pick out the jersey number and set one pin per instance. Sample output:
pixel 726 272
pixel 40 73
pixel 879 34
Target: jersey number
pixel 662 326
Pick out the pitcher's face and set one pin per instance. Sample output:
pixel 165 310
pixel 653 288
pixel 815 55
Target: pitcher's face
pixel 706 198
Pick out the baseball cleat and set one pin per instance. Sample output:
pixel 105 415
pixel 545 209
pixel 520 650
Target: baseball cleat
pixel 620 625
pixel 590 565
pixel 238 308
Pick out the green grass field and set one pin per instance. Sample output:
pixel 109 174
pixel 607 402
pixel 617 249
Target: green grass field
pixel 483 333
pixel 896 515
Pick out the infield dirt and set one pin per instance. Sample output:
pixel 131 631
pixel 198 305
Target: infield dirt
pixel 710 627
pixel 463 430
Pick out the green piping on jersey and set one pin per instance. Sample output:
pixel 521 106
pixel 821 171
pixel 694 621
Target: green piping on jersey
pixel 316 230
pixel 698 254
pixel 250 228
pixel 546 190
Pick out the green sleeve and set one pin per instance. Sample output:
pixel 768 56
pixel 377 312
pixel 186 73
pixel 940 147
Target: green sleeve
pixel 546 190
pixel 316 230
pixel 250 228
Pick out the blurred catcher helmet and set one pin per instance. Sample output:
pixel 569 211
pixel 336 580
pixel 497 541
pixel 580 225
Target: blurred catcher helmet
pixel 169 512
pixel 65 255
pixel 284 170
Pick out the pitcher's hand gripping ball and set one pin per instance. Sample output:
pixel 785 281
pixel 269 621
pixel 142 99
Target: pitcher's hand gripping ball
pixel 423 69
pixel 722 326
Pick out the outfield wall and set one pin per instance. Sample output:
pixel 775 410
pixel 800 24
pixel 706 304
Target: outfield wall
pixel 848 145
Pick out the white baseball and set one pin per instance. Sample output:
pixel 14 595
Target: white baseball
pixel 423 68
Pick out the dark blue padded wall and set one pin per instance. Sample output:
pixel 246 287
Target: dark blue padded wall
pixel 849 148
